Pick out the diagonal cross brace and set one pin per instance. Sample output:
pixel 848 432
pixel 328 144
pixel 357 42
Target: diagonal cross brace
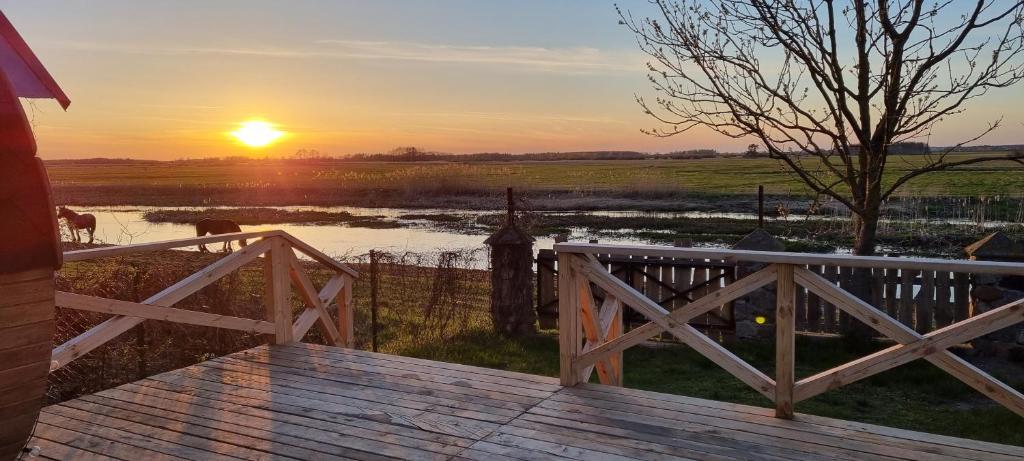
pixel 675 322
pixel 599 327
pixel 931 347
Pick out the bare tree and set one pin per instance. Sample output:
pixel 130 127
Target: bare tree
pixel 828 85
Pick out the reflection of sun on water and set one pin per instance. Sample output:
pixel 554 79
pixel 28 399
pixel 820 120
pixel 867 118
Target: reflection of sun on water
pixel 257 133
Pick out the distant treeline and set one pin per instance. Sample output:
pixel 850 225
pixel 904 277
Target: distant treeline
pixel 413 154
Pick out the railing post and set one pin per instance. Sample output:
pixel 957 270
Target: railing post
pixel 785 342
pixel 346 314
pixel 277 284
pixel 569 342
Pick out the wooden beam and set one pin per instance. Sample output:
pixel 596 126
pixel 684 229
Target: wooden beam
pixel 167 314
pixel 734 256
pixel 332 288
pixel 319 256
pixel 121 250
pixel 610 321
pixel 302 324
pixel 111 328
pixel 685 333
pixel 569 342
pixel 684 314
pixel 932 343
pixel 346 311
pixel 311 298
pixel 594 332
pixel 277 296
pixel 946 360
pixel 785 342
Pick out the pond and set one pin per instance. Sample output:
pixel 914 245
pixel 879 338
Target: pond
pixel 125 225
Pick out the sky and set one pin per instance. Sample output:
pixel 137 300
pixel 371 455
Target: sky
pixel 172 79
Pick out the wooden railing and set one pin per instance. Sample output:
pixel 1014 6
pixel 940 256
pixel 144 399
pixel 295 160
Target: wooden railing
pixel 282 272
pixel 592 338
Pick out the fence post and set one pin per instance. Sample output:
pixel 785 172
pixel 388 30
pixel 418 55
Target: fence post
pixel 785 342
pixel 547 310
pixel 277 284
pixel 374 274
pixel 569 342
pixel 346 312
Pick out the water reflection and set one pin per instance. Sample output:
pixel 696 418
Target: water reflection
pixel 124 225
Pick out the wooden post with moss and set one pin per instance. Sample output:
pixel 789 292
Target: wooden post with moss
pixel 512 277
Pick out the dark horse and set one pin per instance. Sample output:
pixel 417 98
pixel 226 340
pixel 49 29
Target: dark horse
pixel 217 227
pixel 78 221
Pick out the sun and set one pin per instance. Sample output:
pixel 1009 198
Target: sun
pixel 257 133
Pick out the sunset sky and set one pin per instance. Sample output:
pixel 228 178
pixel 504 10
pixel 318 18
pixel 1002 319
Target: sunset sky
pixel 172 79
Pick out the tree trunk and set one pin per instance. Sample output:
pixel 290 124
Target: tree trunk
pixel 865 230
pixel 857 334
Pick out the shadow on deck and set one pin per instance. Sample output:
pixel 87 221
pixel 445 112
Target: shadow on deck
pixel 306 401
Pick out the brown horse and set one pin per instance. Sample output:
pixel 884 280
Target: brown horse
pixel 78 221
pixel 217 227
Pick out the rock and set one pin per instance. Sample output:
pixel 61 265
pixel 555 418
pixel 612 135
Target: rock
pixel 987 293
pixel 759 240
pixel 996 246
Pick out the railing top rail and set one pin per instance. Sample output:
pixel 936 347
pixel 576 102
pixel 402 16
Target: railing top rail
pixel 121 250
pixel 935 264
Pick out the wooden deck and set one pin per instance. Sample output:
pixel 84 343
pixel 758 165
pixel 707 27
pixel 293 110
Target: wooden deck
pixel 301 401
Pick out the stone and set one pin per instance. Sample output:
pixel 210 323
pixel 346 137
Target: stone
pixel 759 240
pixel 759 303
pixel 987 293
pixel 996 246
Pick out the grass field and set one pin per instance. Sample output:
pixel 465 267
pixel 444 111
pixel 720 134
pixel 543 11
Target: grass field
pixel 270 182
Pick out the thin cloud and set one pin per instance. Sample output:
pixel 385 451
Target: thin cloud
pixel 552 59
pixel 574 58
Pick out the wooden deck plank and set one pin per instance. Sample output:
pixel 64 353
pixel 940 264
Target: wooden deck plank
pixel 217 425
pixel 190 435
pixel 601 447
pixel 455 407
pixel 773 427
pixel 297 401
pixel 261 414
pixel 56 451
pixel 681 431
pixel 430 363
pixel 805 423
pixel 366 388
pixel 126 445
pixel 103 443
pixel 381 378
pixel 420 373
pixel 698 447
pixel 416 396
pixel 750 433
pixel 445 424
pixel 344 355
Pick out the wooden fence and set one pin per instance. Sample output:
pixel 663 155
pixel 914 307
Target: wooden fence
pixel 670 282
pixel 924 300
pixel 282 274
pixel 592 337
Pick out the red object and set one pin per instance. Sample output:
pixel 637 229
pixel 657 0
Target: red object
pixel 26 209
pixel 26 75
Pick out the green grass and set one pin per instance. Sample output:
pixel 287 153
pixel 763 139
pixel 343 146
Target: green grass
pixel 350 183
pixel 915 396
